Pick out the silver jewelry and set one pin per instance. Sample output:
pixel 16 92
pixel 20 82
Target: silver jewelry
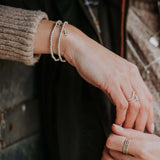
pixel 51 39
pixel 59 40
pixel 126 146
pixel 134 98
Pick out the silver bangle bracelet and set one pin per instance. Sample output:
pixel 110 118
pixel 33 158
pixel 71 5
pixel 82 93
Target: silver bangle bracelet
pixel 51 39
pixel 59 40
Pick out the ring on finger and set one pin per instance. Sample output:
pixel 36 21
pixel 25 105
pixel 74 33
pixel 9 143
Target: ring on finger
pixel 126 146
pixel 134 98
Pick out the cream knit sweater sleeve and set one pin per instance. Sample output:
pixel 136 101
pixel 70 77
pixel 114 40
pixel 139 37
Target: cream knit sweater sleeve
pixel 17 34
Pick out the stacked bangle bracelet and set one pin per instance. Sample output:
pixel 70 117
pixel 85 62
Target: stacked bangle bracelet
pixel 58 23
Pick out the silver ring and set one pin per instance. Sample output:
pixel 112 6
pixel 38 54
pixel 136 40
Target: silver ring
pixel 126 146
pixel 134 98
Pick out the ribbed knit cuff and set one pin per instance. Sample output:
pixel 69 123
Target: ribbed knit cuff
pixel 17 34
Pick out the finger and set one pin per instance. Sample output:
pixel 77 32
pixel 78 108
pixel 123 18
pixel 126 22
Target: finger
pixel 105 155
pixel 140 89
pixel 142 117
pixel 115 142
pixel 133 108
pixel 150 122
pixel 132 113
pixel 120 102
pixel 128 133
pixel 121 156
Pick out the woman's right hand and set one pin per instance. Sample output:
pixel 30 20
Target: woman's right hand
pixel 114 75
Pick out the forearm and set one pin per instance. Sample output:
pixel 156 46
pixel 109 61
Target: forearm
pixel 42 37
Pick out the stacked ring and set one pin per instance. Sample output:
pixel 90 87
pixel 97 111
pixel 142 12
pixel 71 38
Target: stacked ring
pixel 126 146
pixel 134 98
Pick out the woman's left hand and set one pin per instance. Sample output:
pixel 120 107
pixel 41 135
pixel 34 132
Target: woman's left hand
pixel 142 146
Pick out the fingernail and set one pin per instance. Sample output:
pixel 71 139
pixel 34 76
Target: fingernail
pixel 152 128
pixel 117 126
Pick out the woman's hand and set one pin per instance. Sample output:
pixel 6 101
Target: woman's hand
pixel 142 146
pixel 114 75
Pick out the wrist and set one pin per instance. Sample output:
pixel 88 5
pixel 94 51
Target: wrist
pixel 69 44
pixel 74 44
pixel 42 40
pixel 43 35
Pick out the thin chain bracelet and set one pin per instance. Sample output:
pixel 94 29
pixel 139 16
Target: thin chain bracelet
pixel 51 39
pixel 59 40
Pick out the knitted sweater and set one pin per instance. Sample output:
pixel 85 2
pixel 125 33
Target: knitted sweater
pixel 17 34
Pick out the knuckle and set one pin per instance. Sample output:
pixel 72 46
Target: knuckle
pixel 109 141
pixel 124 75
pixel 134 68
pixel 123 105
pixel 136 107
pixel 102 85
pixel 150 99
pixel 107 88
pixel 145 107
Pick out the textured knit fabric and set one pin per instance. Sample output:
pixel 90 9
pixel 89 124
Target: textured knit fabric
pixel 142 53
pixel 17 34
pixel 149 5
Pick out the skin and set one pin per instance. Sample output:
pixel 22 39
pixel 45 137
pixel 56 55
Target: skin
pixel 143 146
pixel 103 69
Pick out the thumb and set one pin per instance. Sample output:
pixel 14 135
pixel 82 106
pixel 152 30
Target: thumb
pixel 128 133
